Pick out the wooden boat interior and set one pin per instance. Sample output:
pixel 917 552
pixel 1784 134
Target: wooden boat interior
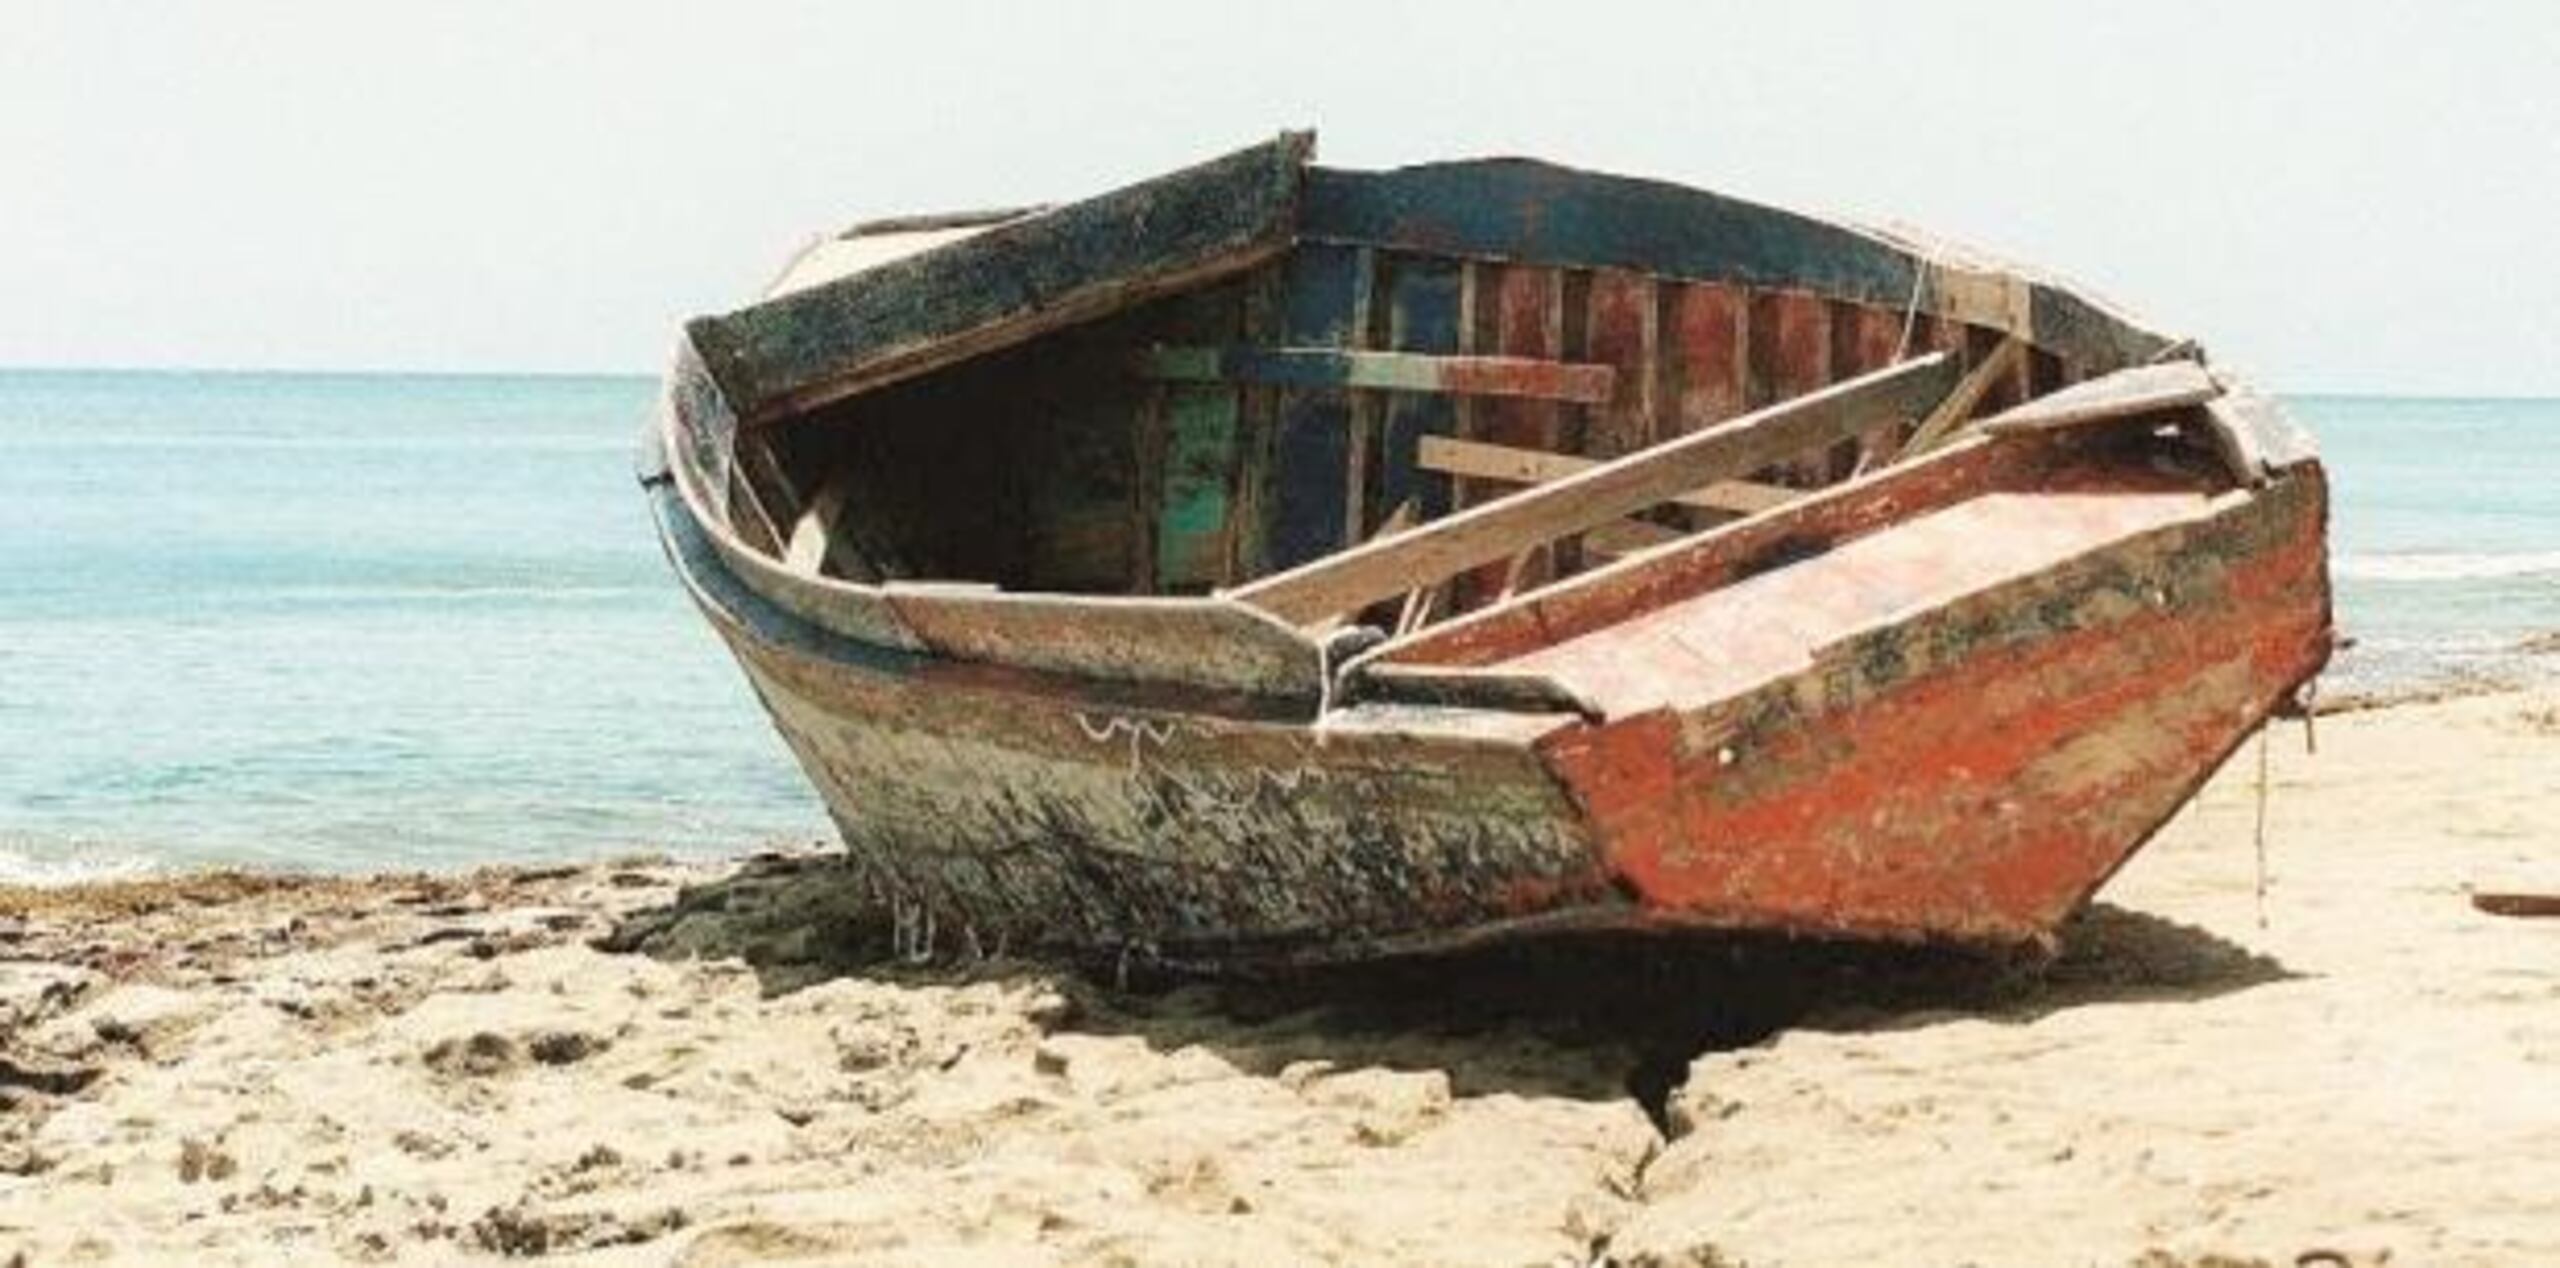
pixel 1442 445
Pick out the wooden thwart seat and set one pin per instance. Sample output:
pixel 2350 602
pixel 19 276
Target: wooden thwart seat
pixel 1510 464
pixel 1503 528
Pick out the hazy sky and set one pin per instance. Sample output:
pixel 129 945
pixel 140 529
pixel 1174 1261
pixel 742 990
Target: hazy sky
pixel 2332 196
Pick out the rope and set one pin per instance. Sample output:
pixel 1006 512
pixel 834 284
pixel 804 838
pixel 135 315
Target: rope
pixel 1921 268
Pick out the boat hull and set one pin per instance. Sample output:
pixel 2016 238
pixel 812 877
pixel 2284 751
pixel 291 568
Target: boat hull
pixel 1973 772
pixel 1969 774
pixel 1272 562
pixel 1029 810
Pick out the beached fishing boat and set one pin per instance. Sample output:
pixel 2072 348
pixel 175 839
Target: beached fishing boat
pixel 1276 562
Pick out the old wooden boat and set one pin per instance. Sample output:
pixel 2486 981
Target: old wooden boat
pixel 1274 562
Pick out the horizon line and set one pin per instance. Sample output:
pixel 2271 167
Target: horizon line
pixel 404 372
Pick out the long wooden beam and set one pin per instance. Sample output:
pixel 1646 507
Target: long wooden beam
pixel 1502 528
pixel 1383 371
pixel 1513 465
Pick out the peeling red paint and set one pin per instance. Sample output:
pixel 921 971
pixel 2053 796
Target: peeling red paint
pixel 1936 805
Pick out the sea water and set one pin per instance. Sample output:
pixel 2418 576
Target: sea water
pixel 2444 537
pixel 354 621
pixel 373 621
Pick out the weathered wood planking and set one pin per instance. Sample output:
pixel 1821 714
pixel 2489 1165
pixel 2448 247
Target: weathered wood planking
pixel 1790 356
pixel 1623 333
pixel 2129 393
pixel 1524 377
pixel 1863 338
pixel 1480 460
pixel 1721 555
pixel 1989 372
pixel 1007 284
pixel 1709 350
pixel 1420 303
pixel 1539 213
pixel 1249 481
pixel 1504 529
pixel 1525 315
pixel 1076 447
pixel 1198 424
pixel 1326 290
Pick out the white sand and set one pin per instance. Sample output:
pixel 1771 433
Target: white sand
pixel 422 1070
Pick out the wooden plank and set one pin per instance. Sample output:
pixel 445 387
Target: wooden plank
pixel 1707 345
pixel 1007 284
pixel 1790 355
pixel 1199 424
pixel 2256 436
pixel 1421 303
pixel 1478 460
pixel 1500 530
pixel 1526 317
pixel 1977 383
pixel 1521 209
pixel 1526 377
pixel 1361 441
pixel 1307 505
pixel 1866 337
pixel 1619 538
pixel 1080 480
pixel 813 534
pixel 1146 489
pixel 2147 389
pixel 1196 642
pixel 763 472
pixel 1622 334
pixel 1249 499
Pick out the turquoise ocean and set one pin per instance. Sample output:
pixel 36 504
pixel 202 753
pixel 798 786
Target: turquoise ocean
pixel 344 621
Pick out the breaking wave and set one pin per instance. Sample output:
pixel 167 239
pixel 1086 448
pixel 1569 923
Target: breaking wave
pixel 2446 566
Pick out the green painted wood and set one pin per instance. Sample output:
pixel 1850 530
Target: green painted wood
pixel 1196 428
pixel 1191 523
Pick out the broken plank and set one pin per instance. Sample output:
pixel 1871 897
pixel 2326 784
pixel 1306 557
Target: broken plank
pixel 1527 377
pixel 1511 464
pixel 2147 389
pixel 1504 528
pixel 1619 538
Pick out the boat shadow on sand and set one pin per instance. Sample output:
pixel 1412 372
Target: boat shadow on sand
pixel 1586 1016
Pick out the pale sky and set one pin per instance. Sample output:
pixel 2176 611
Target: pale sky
pixel 2333 197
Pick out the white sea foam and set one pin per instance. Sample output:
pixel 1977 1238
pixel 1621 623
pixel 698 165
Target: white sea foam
pixel 24 863
pixel 2446 566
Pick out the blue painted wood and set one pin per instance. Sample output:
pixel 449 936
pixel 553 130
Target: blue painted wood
pixel 1422 316
pixel 1538 213
pixel 1305 511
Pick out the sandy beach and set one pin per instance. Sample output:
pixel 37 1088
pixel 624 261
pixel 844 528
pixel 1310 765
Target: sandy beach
pixel 646 1062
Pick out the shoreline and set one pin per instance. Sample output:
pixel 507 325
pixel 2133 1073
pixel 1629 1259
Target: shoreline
pixel 643 1060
